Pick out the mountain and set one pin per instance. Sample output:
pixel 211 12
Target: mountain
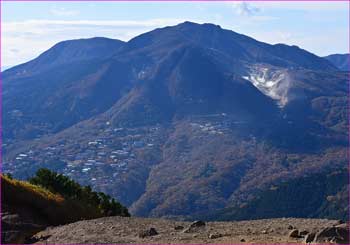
pixel 67 80
pixel 68 52
pixel 76 87
pixel 341 61
pixel 180 119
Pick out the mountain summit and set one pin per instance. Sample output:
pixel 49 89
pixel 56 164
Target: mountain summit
pixel 69 52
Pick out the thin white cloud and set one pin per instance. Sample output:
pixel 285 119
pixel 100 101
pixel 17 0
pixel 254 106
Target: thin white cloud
pixel 9 26
pixel 249 13
pixel 305 5
pixel 244 8
pixel 63 12
pixel 13 50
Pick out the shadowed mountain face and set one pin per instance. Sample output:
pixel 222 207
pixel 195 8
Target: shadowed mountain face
pixel 177 120
pixel 341 61
pixel 64 82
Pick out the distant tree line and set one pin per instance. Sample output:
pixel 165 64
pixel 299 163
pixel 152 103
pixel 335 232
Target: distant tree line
pixel 69 189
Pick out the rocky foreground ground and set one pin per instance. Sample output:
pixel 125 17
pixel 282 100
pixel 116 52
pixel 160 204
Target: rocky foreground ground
pixel 155 231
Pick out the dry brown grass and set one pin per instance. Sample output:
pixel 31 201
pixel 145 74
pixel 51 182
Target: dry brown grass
pixel 34 189
pixel 51 207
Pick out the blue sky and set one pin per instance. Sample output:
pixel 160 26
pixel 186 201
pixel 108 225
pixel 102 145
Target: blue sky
pixel 29 28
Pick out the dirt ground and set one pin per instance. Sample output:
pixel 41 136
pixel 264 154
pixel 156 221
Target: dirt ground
pixel 127 230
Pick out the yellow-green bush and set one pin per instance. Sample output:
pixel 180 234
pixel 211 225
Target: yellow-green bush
pixel 52 207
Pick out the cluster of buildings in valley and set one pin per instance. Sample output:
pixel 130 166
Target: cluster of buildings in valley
pixel 102 159
pixel 90 160
pixel 215 124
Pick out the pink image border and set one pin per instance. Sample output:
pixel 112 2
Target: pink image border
pixel 143 1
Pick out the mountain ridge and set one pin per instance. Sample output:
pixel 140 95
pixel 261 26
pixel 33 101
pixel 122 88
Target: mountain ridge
pixel 342 61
